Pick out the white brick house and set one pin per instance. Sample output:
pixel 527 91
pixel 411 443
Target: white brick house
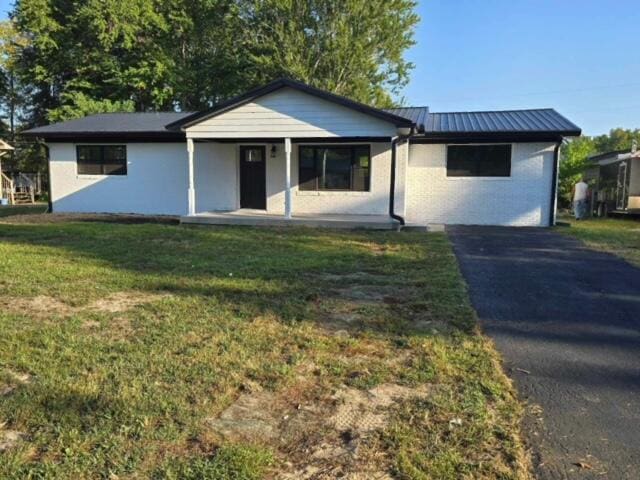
pixel 287 153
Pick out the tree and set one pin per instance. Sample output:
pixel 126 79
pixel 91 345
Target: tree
pixel 353 48
pixel 105 51
pixel 191 54
pixel 574 161
pixel 11 96
pixel 90 56
pixel 206 45
pixel 78 104
pixel 617 139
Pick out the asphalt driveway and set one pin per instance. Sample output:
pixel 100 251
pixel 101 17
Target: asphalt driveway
pixel 567 322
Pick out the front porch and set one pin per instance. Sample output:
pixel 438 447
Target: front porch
pixel 261 218
pixel 293 155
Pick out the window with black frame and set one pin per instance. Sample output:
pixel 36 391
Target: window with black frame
pixel 479 161
pixel 335 167
pixel 101 159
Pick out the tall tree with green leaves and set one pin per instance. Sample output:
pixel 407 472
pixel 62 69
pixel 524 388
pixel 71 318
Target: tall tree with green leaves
pixel 89 56
pixel 11 92
pixel 92 52
pixel 205 43
pixel 617 139
pixel 574 161
pixel 190 54
pixel 353 48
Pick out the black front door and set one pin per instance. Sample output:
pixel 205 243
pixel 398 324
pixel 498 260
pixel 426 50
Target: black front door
pixel 253 190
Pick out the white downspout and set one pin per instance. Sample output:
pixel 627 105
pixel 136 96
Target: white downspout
pixel 287 190
pixel 192 189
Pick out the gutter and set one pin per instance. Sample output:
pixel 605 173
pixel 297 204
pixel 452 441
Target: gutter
pixel 554 184
pixel 392 187
pixel 49 199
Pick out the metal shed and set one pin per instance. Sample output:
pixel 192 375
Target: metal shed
pixel 617 183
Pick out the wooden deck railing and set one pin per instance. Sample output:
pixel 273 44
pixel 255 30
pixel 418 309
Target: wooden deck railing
pixel 6 188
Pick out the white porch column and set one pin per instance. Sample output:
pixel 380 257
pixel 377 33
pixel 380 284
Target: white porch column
pixel 287 190
pixel 192 189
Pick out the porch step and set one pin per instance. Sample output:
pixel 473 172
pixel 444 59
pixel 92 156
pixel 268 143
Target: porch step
pixel 375 222
pixel 22 198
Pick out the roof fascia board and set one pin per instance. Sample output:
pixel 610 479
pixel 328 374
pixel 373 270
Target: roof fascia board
pixel 108 136
pixel 514 137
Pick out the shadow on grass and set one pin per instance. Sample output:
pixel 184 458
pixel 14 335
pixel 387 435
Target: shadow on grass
pixel 292 272
pixel 14 210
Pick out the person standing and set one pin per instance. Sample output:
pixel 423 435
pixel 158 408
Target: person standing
pixel 580 199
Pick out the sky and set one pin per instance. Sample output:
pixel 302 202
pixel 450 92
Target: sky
pixel 581 57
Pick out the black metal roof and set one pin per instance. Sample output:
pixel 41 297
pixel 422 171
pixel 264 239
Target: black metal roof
pixel 418 115
pixel 152 124
pixel 443 126
pixel 538 120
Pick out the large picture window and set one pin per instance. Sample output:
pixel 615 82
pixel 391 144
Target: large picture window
pixel 336 167
pixel 479 161
pixel 101 159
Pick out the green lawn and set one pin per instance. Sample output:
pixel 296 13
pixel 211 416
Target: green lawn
pixel 618 236
pixel 160 351
pixel 10 210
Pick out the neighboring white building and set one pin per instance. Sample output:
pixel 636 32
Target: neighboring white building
pixel 289 152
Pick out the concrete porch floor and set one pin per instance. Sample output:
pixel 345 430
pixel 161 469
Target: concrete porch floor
pixel 262 218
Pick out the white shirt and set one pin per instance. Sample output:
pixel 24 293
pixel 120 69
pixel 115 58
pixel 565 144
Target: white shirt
pixel 580 192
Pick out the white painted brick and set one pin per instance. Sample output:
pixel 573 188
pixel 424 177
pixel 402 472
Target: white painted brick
pixel 156 182
pixel 522 200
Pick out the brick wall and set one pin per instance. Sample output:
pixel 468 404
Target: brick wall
pixel 522 199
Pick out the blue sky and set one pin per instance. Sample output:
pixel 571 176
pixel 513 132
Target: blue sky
pixel 581 57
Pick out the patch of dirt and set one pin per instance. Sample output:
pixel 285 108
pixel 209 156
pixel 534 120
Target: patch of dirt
pixel 359 277
pixel 9 438
pixel 322 436
pixel 39 306
pixel 362 412
pixel 117 328
pixel 250 418
pixel 12 381
pixel 372 294
pixel 123 301
pixel 381 249
pixel 91 324
pixel 44 306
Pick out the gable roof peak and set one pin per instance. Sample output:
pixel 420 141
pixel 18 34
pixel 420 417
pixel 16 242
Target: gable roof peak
pixel 282 82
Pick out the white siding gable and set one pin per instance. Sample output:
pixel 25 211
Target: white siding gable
pixel 290 113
